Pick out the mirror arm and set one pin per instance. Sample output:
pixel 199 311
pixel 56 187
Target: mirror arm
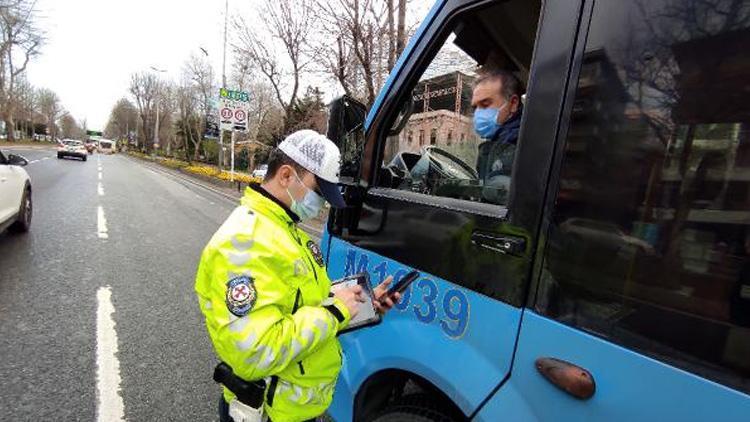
pixel 407 112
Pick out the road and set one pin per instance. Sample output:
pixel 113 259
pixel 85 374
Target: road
pixel 97 310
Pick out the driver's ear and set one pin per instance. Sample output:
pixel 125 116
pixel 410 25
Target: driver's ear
pixel 515 102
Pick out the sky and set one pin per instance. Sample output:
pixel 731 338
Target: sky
pixel 93 46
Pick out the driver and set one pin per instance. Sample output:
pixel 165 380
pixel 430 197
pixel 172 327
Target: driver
pixel 497 118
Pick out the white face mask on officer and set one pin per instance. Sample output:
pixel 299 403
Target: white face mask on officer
pixel 310 205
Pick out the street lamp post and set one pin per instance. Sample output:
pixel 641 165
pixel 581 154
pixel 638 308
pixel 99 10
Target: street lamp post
pixel 156 123
pixel 224 85
pixel 156 127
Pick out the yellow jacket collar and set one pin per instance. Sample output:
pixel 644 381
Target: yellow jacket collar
pixel 258 199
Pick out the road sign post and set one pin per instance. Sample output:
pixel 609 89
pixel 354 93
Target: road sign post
pixel 233 117
pixel 231 173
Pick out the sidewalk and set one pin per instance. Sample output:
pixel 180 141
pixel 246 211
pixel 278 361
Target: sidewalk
pixel 232 191
pixel 27 145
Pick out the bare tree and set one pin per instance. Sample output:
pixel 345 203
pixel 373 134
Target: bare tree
pixel 144 87
pixel 265 115
pixel 167 107
pixel 123 119
pixel 51 109
pixel 19 43
pixel 69 127
pixel 199 72
pixel 187 108
pixel 369 34
pixel 25 100
pixel 284 58
pixel 193 100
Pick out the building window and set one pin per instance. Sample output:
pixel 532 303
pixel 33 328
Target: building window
pixel 409 137
pixel 449 140
pixel 421 138
pixel 433 137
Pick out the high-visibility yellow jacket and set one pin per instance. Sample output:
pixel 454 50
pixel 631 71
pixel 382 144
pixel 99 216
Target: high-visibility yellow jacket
pixel 263 288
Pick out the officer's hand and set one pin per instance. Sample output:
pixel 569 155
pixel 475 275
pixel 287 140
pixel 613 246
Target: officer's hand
pixel 384 302
pixel 352 297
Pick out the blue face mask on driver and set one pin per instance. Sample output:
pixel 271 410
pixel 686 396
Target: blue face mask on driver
pixel 485 121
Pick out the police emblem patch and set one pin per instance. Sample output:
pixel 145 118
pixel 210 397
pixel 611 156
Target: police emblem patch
pixel 241 295
pixel 315 251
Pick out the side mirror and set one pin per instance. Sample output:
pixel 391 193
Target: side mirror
pixel 17 160
pixel 346 128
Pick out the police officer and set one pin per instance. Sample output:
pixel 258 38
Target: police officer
pixel 263 289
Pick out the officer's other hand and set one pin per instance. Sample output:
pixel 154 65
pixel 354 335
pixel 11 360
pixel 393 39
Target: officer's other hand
pixel 384 301
pixel 351 297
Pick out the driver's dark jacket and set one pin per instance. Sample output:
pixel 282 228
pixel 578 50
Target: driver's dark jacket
pixel 495 156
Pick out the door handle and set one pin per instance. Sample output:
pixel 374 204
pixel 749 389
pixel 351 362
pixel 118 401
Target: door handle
pixel 504 244
pixel 568 377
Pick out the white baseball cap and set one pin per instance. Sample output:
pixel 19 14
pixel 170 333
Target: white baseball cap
pixel 321 157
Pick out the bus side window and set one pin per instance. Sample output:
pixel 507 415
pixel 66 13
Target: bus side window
pixel 650 241
pixel 451 158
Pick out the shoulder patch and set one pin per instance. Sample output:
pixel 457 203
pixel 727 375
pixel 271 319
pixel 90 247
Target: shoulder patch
pixel 316 252
pixel 241 295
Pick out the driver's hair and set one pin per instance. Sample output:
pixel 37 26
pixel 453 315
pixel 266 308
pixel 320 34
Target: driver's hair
pixel 276 159
pixel 510 85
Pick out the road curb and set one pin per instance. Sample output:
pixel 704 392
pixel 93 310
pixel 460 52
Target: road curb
pixel 25 146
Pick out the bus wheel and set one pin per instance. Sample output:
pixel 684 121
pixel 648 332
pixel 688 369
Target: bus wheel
pixel 415 408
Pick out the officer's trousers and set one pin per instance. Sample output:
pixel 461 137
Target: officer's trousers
pixel 224 411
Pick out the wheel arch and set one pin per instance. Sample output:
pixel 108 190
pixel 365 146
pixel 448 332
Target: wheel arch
pixel 389 385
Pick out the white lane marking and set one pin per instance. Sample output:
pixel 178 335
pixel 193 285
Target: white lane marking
pixel 101 223
pixel 100 175
pixel 39 159
pixel 109 406
pixel 100 189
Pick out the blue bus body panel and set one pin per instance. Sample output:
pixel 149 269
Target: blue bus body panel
pixel 629 386
pixel 460 341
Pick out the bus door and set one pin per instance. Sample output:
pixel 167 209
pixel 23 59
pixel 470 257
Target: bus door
pixel 419 199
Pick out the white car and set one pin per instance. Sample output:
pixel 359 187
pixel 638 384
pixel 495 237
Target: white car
pixel 15 194
pixel 72 148
pixel 260 171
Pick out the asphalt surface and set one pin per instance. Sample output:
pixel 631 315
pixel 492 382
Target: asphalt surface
pixel 157 225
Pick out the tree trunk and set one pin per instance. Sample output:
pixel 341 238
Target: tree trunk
pixel 196 151
pixel 391 36
pixel 10 127
pixel 401 29
pixel 251 160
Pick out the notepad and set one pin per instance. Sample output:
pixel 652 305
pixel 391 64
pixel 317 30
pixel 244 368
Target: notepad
pixel 367 315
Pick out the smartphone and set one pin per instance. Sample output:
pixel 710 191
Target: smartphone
pixel 402 284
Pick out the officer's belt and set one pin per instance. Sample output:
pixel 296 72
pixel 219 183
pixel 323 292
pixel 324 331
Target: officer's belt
pixel 249 393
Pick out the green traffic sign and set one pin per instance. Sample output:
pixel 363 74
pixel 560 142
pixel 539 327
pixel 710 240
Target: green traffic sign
pixel 231 94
